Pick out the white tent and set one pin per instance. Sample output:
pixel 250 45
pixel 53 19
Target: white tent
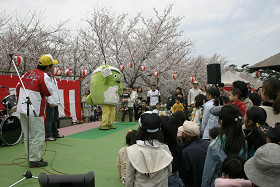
pixel 228 78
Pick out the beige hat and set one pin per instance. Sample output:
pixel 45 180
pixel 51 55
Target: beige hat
pixel 190 128
pixel 264 167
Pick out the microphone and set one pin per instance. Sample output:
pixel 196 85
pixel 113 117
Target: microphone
pixel 3 87
pixel 11 55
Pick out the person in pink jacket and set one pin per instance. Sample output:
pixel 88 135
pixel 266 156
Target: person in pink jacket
pixel 232 173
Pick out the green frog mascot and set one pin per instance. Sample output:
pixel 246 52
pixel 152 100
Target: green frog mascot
pixel 105 88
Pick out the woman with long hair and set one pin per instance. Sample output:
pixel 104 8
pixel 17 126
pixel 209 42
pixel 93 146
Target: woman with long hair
pixel 170 129
pixel 271 100
pixel 230 141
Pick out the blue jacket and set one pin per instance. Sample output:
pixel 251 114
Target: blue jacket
pixel 214 159
pixel 208 120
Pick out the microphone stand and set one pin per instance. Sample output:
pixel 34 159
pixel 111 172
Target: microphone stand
pixel 28 173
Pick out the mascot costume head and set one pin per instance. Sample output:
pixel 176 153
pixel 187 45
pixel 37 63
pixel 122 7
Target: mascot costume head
pixel 105 88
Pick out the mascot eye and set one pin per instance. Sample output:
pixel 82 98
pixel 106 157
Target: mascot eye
pixel 115 76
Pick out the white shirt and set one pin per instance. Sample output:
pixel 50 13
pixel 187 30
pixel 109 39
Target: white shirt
pixel 153 97
pixel 131 99
pixel 192 94
pixel 54 98
pixel 271 117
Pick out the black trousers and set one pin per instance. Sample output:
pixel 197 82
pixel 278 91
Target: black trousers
pixel 51 121
pixel 136 115
pixel 124 112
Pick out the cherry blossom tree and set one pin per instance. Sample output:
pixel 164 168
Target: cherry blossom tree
pixel 28 37
pixel 107 38
pixel 156 43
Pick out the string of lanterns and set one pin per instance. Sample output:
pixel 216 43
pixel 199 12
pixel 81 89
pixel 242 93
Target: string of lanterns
pixel 84 72
pixel 155 73
pixel 69 72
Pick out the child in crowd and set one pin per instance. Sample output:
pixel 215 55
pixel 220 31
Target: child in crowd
pixel 272 134
pixel 178 106
pixel 209 120
pixel 125 96
pixel 197 112
pixel 193 155
pixel 162 111
pixel 180 95
pixel 169 130
pixel 254 117
pixel 234 97
pixel 233 173
pixel 157 108
pixel 230 141
pixel 143 108
pixel 255 98
pixel 96 113
pixel 214 132
pixel 190 109
pixel 149 161
pixel 121 160
pixel 223 100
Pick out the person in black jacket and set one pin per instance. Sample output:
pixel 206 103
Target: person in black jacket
pixel 174 96
pixel 169 127
pixel 193 155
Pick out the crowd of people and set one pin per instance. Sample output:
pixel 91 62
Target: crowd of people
pixel 218 138
pixel 212 137
pixel 90 113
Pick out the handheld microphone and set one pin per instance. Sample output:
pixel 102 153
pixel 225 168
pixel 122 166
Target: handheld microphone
pixel 3 87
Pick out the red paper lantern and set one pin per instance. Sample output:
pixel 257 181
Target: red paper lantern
pixel 258 74
pixel 130 64
pixel 175 76
pixel 155 74
pixel 17 59
pixel 68 72
pixel 57 71
pixel 84 72
pixel 192 79
pixel 121 67
pixel 142 67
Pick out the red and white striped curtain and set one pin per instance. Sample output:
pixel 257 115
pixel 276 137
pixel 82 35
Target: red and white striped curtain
pixel 69 94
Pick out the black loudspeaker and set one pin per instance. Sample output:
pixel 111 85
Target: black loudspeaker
pixel 77 180
pixel 213 73
pixel 64 122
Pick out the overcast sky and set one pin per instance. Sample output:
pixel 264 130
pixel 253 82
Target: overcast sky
pixel 245 31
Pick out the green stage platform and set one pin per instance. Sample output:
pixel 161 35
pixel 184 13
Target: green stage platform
pixel 91 150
